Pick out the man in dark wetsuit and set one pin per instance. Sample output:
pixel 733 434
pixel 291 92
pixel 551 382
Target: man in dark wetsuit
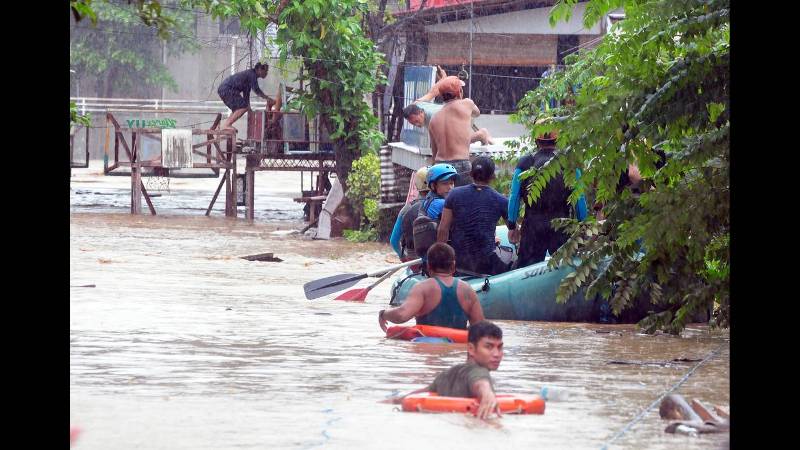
pixel 471 212
pixel 537 236
pixel 472 379
pixel 441 300
pixel 235 92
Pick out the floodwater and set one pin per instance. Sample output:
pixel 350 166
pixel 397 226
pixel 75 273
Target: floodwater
pixel 181 344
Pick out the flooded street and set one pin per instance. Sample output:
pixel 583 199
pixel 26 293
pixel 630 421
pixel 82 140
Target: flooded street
pixel 183 344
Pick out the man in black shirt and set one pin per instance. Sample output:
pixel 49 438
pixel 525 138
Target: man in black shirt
pixel 537 236
pixel 235 92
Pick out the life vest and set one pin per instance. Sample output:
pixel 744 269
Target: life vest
pixel 407 225
pixel 424 228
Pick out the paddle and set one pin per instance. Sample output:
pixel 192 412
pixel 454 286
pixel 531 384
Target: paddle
pixel 359 295
pixel 329 285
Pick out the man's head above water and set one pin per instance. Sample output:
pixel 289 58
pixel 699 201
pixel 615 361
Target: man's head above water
pixel 485 344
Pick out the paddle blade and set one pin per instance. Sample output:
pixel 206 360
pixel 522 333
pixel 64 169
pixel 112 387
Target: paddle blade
pixel 320 288
pixel 354 295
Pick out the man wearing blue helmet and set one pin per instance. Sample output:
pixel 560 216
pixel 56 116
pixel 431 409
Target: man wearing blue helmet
pixel 441 179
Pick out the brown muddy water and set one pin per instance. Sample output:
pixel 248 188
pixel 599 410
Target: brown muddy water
pixel 182 344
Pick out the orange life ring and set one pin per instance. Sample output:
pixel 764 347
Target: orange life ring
pixel 408 333
pixel 508 403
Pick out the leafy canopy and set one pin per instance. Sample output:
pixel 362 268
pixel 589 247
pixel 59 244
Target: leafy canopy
pixel 658 82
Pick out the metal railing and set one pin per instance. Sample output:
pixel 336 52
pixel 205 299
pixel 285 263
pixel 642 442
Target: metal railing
pixel 97 104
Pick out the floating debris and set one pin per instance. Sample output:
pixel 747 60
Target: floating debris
pixel 268 257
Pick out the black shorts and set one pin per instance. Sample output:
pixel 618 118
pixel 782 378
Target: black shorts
pixel 233 99
pixel 464 169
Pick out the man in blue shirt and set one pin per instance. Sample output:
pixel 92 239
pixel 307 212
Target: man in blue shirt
pixel 235 92
pixel 441 178
pixel 472 211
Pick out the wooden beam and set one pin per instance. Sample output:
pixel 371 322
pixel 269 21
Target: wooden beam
pixel 250 181
pixel 211 141
pixel 136 184
pixel 233 209
pixel 147 199
pixel 210 137
pixel 121 138
pixel 194 131
pixel 107 146
pixel 214 199
pixel 211 157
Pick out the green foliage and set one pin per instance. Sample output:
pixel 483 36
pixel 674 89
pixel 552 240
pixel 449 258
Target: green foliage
pixel 76 118
pixel 123 52
pixel 365 186
pixel 341 67
pixel 657 82
pixel 149 13
pixel 367 235
pixel 81 9
pixel 253 15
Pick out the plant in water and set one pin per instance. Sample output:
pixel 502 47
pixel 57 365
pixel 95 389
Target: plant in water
pixel 364 191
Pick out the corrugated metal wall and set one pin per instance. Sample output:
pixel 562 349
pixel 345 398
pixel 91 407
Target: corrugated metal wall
pixel 417 82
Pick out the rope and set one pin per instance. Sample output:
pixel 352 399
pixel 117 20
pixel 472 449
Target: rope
pixel 658 400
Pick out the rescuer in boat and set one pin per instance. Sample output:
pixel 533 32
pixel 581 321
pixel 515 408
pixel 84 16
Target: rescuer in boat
pixel 235 92
pixel 472 379
pixel 537 236
pixel 472 212
pixel 441 300
pixel 402 238
pixel 441 178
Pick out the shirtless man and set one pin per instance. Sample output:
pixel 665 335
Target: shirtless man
pixel 420 114
pixel 451 134
pixel 441 300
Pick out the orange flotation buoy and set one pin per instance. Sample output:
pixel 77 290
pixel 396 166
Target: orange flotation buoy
pixel 508 403
pixel 408 333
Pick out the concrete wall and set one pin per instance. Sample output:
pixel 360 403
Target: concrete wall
pixel 493 49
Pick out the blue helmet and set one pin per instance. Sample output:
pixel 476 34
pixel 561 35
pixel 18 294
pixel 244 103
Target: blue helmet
pixel 441 172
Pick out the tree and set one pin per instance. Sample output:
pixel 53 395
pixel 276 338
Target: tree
pixel 339 63
pixel 658 83
pixel 122 52
pixel 341 66
pixel 149 13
